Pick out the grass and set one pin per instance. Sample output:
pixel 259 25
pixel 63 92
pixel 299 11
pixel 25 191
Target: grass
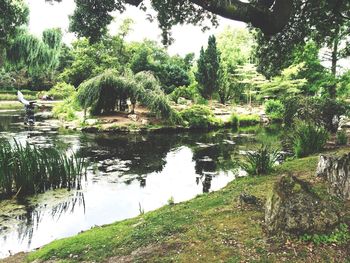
pixel 26 170
pixel 248 120
pixel 8 96
pixel 209 228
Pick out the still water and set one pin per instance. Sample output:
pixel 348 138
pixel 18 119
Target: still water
pixel 127 174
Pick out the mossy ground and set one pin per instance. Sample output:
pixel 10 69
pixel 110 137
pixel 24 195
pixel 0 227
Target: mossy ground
pixel 210 228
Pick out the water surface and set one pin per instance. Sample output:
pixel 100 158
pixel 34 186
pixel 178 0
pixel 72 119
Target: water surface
pixel 127 174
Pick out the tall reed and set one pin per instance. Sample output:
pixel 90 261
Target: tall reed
pixel 26 169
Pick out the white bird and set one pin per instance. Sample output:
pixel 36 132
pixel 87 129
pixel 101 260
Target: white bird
pixel 21 98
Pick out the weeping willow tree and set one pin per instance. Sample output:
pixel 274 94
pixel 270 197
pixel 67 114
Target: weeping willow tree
pixel 34 54
pixel 102 93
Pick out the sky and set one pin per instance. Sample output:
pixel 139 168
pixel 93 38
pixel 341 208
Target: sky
pixel 188 38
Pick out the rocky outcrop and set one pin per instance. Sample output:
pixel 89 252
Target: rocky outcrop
pixel 294 208
pixel 336 170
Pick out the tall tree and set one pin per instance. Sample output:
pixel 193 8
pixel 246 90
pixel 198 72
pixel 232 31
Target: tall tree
pixel 14 13
pixel 208 69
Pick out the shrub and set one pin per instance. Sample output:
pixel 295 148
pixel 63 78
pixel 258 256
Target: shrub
pixel 67 109
pixel 307 138
pixel 61 91
pixel 321 111
pixel 183 92
pixel 341 138
pixel 199 116
pixel 261 161
pixel 274 109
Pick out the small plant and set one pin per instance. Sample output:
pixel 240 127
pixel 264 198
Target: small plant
pixel 339 236
pixel 307 138
pixel 234 121
pixel 274 109
pixel 67 109
pixel 171 201
pixel 342 138
pixel 261 161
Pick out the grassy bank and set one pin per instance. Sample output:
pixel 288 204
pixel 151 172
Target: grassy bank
pixel 210 228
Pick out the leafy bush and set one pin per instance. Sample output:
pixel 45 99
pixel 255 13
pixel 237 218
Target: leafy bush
pixel 274 109
pixel 61 90
pixel 339 236
pixel 183 92
pixel 341 138
pixel 307 138
pixel 321 111
pixel 67 109
pixel 199 116
pixel 261 161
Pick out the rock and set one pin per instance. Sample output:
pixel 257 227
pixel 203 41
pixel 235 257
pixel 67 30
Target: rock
pixel 90 122
pixel 144 122
pixel 133 117
pixel 248 199
pixel 336 170
pixel 294 208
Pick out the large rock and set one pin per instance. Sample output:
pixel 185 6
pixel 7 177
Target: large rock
pixel 294 208
pixel 336 170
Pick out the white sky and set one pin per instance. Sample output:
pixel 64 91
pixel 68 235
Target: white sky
pixel 188 38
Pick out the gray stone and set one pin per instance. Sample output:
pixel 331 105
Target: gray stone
pixel 294 208
pixel 336 170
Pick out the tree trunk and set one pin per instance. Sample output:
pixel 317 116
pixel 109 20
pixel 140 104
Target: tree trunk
pixel 332 89
pixel 336 170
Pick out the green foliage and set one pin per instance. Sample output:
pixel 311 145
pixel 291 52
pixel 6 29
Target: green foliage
pixel 183 92
pixel 102 92
pixel 248 120
pixel 90 60
pixel 234 121
pixel 172 72
pixel 207 74
pixel 33 54
pixel 61 90
pixel 287 83
pixel 321 111
pixel 26 170
pixel 67 110
pixel 307 138
pixel 14 15
pixel 343 88
pixel 339 236
pixel 274 109
pixel 235 47
pixel 199 116
pixel 341 138
pixel 260 162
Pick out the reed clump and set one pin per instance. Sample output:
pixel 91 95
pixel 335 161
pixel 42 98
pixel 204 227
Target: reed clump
pixel 27 169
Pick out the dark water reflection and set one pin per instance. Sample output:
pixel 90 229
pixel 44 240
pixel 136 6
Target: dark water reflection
pixel 125 172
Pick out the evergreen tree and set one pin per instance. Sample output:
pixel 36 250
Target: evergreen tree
pixel 208 69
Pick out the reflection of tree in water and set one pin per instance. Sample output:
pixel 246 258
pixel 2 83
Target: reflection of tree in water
pixel 33 216
pixel 145 153
pixel 6 121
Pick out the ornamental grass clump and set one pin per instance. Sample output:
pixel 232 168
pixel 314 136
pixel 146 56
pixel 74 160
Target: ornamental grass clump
pixel 308 138
pixel 260 162
pixel 27 170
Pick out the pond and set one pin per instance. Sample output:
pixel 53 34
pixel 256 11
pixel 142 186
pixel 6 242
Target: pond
pixel 127 175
